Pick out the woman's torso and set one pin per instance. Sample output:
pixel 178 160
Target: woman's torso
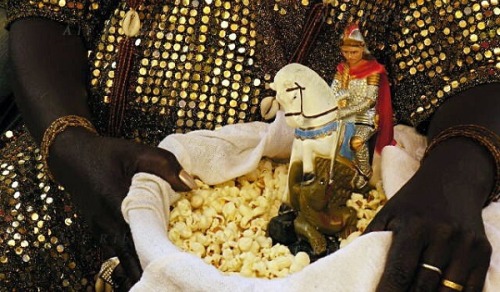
pixel 204 64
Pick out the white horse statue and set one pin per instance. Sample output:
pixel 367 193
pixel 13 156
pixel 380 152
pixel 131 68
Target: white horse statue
pixel 310 107
pixel 315 189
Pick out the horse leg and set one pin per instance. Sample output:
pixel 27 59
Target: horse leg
pixel 308 161
pixel 294 183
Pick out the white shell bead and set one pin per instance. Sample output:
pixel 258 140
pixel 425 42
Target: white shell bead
pixel 131 23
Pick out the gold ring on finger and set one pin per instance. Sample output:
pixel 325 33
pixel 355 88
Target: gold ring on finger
pixel 452 285
pixel 432 268
pixel 104 281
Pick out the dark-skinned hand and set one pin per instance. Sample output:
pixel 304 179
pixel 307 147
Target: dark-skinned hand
pixel 436 217
pixel 50 70
pixel 98 171
pixel 435 220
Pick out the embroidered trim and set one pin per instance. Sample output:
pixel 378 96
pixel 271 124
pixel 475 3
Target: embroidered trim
pixel 315 133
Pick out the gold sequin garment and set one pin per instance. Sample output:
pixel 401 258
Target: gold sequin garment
pixel 201 64
pixel 43 242
pixel 439 48
pixel 196 67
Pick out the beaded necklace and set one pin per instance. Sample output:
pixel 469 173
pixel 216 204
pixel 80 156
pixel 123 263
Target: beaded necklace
pixel 126 51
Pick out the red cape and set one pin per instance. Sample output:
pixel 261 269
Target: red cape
pixel 385 135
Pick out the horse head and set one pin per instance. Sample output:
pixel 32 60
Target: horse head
pixel 308 101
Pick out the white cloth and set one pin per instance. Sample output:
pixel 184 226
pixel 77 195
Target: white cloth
pixel 216 156
pixel 232 151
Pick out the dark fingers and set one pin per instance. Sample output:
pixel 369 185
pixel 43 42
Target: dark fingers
pixel 378 223
pixel 403 258
pixel 434 259
pixel 164 164
pixel 116 237
pixel 477 276
pixel 121 280
pixel 468 265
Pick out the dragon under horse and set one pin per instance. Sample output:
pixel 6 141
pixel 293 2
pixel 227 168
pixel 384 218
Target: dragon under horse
pixel 320 176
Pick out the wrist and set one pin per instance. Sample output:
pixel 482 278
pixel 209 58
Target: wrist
pixel 71 138
pixel 62 135
pixel 463 171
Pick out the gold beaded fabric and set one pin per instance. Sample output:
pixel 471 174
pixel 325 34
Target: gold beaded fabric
pixel 202 64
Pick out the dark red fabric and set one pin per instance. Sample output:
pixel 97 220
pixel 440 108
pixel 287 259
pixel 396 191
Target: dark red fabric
pixel 385 135
pixel 313 26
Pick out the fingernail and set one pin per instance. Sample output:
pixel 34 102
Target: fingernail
pixel 187 179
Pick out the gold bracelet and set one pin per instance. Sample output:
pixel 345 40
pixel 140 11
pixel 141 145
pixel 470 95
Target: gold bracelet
pixel 481 135
pixel 56 128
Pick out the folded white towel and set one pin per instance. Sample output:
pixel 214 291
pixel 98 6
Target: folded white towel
pixel 217 156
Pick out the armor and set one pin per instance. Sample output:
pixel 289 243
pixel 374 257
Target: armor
pixel 359 108
pixel 362 93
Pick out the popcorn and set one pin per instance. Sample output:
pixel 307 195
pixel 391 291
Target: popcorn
pixel 196 201
pixel 300 261
pixel 226 224
pixel 366 209
pixel 349 239
pixel 245 244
